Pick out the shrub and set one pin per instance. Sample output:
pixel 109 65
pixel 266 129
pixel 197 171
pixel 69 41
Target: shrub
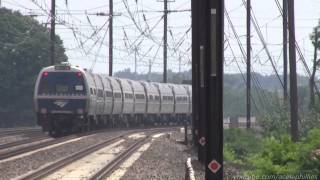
pixel 241 142
pixel 282 156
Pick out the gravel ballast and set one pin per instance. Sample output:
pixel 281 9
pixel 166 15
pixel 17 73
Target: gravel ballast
pixel 17 167
pixel 164 159
pixel 10 139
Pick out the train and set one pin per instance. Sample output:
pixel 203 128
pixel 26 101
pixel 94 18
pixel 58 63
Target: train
pixel 69 99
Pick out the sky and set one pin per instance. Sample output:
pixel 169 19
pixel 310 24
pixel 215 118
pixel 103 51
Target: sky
pixel 85 35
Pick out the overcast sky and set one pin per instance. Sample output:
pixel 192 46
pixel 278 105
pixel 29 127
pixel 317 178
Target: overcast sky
pixel 77 23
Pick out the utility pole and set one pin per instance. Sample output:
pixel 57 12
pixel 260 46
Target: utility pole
pixel 110 37
pixel 149 71
pixel 165 43
pixel 314 68
pixel 195 13
pixel 214 94
pixel 293 74
pixel 179 64
pixel 248 64
pixel 285 51
pixel 135 61
pixel 52 32
pixel 203 23
pixel 208 28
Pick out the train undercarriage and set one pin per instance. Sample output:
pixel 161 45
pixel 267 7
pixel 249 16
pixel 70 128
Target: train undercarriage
pixel 63 124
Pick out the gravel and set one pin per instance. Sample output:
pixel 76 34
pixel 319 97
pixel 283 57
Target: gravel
pixel 10 139
pixel 18 167
pixel 165 159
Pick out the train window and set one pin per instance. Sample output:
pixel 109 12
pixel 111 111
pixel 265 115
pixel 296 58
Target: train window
pixel 150 97
pixel 91 91
pixel 100 93
pixel 117 95
pixel 170 98
pixel 157 98
pixel 108 93
pixel 61 82
pixel 165 98
pixel 128 96
pixel 140 96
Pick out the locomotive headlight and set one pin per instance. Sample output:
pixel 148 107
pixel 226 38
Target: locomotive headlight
pixel 43 111
pixel 80 111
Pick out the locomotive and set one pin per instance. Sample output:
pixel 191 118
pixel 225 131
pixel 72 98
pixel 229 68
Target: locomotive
pixel 70 99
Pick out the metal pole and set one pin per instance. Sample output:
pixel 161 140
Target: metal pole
pixel 165 29
pixel 285 50
pixel 179 64
pixel 314 69
pixel 149 71
pixel 52 32
pixel 135 61
pixel 248 64
pixel 204 21
pixel 293 74
pixel 214 75
pixel 195 73
pixel 110 37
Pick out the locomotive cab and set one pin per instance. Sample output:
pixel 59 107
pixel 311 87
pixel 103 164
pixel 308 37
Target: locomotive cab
pixel 61 99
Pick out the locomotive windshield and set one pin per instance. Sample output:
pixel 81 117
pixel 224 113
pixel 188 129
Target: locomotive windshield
pixel 61 83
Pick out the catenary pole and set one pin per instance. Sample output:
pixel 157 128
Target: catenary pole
pixel 293 73
pixel 285 50
pixel 110 37
pixel 248 64
pixel 52 32
pixel 165 43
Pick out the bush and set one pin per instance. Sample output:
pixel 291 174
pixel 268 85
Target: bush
pixel 228 154
pixel 239 143
pixel 282 156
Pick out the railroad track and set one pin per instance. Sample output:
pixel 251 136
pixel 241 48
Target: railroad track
pixel 119 159
pixel 24 141
pixel 19 131
pixel 47 170
pixel 53 167
pixel 22 150
pixel 8 154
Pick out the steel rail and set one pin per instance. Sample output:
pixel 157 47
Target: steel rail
pixel 51 168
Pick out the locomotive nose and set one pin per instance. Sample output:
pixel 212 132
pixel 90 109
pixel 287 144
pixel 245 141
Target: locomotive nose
pixel 62 106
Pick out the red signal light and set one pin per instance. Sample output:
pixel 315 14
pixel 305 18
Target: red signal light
pixel 45 74
pixel 79 74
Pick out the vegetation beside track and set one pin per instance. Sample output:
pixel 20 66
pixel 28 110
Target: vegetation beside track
pixel 257 156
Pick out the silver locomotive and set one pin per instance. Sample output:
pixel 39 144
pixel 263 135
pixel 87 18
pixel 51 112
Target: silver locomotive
pixel 71 99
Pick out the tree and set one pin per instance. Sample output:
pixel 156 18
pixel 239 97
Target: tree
pixel 24 50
